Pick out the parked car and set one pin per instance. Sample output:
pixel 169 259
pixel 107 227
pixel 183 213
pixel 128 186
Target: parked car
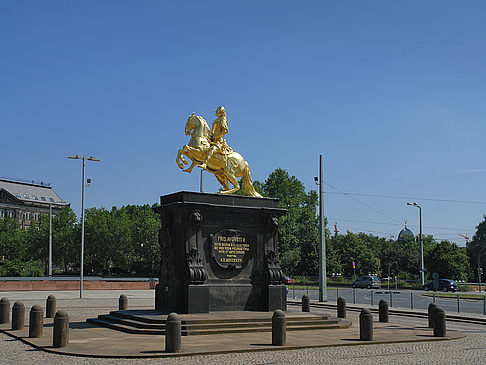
pixel 444 285
pixel 367 281
pixel 288 280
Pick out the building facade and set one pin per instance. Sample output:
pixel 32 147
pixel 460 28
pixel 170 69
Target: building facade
pixel 26 202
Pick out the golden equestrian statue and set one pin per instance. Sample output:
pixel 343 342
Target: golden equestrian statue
pixel 208 149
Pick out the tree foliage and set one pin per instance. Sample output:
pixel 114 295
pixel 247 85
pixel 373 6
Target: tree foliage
pixel 124 241
pixel 448 260
pixel 476 248
pixel 299 228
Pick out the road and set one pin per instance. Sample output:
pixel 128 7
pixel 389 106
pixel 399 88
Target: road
pixel 395 298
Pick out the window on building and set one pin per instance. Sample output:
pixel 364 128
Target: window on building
pixel 52 200
pixel 43 198
pixel 11 213
pixel 34 197
pixel 18 195
pixel 26 196
pixel 2 213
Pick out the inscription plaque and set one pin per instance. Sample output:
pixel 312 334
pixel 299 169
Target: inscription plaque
pixel 229 248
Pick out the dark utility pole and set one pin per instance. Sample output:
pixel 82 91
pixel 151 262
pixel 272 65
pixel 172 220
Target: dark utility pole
pixel 322 239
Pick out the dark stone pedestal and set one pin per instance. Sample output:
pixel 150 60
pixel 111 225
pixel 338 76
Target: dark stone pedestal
pixel 219 253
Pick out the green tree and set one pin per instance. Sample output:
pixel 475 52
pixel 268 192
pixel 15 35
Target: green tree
pixel 357 248
pixel 99 246
pixel 122 241
pixel 402 261
pixel 333 257
pixel 17 258
pixel 66 239
pixel 448 260
pixel 12 240
pixel 145 226
pixel 298 229
pixel 476 249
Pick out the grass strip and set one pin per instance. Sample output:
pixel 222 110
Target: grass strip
pixel 454 295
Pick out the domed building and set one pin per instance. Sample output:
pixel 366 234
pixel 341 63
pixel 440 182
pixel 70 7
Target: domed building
pixel 404 233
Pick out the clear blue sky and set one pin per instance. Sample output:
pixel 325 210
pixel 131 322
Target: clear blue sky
pixel 391 93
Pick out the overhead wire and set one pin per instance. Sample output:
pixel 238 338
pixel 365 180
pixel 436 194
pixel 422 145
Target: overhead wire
pixel 363 203
pixel 351 196
pixel 398 224
pixel 404 197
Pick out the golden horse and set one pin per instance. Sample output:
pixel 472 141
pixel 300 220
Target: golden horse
pixel 226 168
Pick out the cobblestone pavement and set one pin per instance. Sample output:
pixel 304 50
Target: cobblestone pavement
pixel 468 350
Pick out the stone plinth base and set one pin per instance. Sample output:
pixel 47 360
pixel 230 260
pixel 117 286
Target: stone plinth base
pixel 219 253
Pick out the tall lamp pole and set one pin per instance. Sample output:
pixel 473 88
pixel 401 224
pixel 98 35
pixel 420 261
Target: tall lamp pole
pixel 322 237
pixel 422 281
pixel 81 265
pixel 50 239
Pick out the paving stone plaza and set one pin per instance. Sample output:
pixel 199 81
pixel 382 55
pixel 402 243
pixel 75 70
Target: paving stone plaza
pixel 468 348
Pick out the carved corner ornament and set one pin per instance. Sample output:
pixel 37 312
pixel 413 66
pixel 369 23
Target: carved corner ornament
pixel 195 272
pixel 196 217
pixel 273 273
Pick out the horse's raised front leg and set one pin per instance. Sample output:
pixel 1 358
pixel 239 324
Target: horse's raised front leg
pixel 189 169
pixel 179 159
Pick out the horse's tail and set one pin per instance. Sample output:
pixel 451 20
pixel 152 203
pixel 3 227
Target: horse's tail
pixel 248 183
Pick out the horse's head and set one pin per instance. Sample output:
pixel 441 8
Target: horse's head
pixel 190 124
pixel 197 124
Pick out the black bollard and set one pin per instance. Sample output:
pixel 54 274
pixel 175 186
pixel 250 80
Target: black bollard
pixel 279 334
pixel 431 312
pixel 439 323
pixel 50 306
pixel 173 340
pixel 36 321
pixel 4 310
pixel 305 303
pixel 122 302
pixel 365 325
pixel 383 311
pixel 18 316
pixel 60 336
pixel 341 307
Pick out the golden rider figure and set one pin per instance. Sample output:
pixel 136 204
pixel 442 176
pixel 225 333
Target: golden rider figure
pixel 218 143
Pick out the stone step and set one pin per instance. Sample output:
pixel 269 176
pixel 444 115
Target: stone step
pixel 212 324
pixel 124 328
pixel 141 316
pixel 160 319
pixel 131 322
pixel 238 324
pixel 193 331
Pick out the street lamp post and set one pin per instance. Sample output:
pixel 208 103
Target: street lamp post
pixel 50 239
pixel 81 264
pixel 322 237
pixel 422 281
pixel 480 270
